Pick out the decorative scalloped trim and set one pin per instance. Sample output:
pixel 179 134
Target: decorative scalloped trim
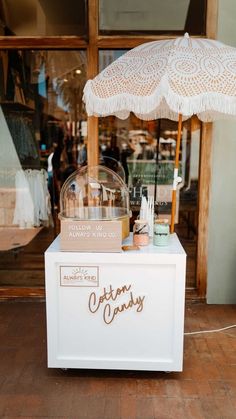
pixel 164 103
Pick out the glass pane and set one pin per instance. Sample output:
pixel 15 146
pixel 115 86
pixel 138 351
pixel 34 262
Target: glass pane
pixel 44 17
pixel 107 56
pixel 156 16
pixel 43 135
pixel 143 154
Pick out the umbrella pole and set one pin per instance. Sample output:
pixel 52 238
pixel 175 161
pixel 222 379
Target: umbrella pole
pixel 157 160
pixel 175 181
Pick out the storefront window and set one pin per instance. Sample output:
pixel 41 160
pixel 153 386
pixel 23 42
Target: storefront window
pixel 154 16
pixel 43 133
pixel 43 17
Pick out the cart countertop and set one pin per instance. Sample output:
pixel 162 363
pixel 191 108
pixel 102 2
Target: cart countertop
pixel 145 253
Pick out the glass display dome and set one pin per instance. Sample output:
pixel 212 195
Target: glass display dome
pixel 95 193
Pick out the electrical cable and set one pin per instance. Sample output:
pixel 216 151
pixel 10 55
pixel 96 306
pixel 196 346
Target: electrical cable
pixel 210 331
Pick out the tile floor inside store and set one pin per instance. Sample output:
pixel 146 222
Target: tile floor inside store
pixel 205 389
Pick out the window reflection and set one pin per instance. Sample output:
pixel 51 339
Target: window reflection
pixel 155 16
pixel 146 151
pixel 43 17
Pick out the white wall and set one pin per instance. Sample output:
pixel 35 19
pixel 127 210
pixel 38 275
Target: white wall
pixel 221 282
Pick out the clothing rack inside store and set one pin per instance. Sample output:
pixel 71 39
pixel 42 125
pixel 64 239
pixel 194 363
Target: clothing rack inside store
pixel 8 175
pixel 30 166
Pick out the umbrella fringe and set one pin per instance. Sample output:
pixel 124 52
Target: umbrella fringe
pixel 163 103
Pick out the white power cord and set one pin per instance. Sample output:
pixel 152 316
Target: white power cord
pixel 210 331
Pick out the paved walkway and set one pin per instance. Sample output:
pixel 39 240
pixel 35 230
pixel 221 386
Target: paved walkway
pixel 205 389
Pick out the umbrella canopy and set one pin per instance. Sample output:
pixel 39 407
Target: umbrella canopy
pixel 162 79
pixel 171 79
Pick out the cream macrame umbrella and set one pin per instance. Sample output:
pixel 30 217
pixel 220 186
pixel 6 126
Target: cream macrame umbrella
pixel 172 79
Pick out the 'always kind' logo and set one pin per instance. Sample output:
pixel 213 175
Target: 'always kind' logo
pixel 108 302
pixel 79 276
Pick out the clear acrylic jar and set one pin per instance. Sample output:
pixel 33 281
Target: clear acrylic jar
pixel 161 235
pixel 141 233
pixel 95 193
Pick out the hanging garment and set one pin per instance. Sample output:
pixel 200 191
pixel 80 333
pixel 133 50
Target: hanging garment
pixel 24 209
pixel 32 198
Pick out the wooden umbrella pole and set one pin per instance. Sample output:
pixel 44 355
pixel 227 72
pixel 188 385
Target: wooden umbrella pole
pixel 157 160
pixel 175 181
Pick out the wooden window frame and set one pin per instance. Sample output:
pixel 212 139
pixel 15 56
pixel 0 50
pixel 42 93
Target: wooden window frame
pixel 92 46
